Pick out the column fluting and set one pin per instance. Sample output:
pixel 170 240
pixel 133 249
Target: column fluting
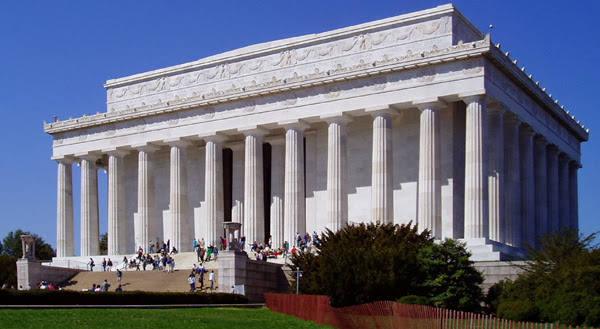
pixel 116 204
pixel 64 210
pixel 527 164
pixel 146 219
pixel 237 184
pixel 382 205
pixel 90 236
pixel 476 171
pixel 277 190
pixel 430 193
pixel 178 206
pixel 573 193
pixel 496 174
pixel 254 212
pixel 553 192
pixel 512 169
pixel 337 191
pixel 294 208
pixel 541 186
pixel 564 187
pixel 213 189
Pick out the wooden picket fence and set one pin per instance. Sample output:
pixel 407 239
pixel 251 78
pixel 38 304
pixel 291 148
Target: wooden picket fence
pixel 388 314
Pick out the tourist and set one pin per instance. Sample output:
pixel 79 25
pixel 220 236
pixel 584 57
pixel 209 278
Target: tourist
pixel 195 244
pixel 208 252
pixel 125 262
pixel 98 289
pixel 151 247
pixel 286 248
pixel 137 264
pixel 91 264
pixel 242 242
pixel 216 252
pixel 192 281
pixel 109 265
pixel 104 286
pixel 119 274
pixel 93 287
pixel 298 239
pixel 232 289
pixel 221 242
pixel 104 264
pixel 168 245
pixel 211 278
pixel 201 279
pixel 119 288
pixel 198 253
pixel 202 244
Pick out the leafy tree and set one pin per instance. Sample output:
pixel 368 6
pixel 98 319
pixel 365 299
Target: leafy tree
pixel 450 280
pixel 559 282
pixel 365 263
pixel 103 244
pixel 12 246
pixel 8 270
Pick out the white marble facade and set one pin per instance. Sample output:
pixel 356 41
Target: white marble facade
pixel 417 118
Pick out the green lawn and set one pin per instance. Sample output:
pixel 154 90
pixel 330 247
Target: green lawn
pixel 150 318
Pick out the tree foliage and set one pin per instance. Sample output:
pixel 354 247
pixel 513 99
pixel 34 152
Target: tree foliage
pixel 559 282
pixel 103 247
pixel 450 278
pixel 12 250
pixel 370 262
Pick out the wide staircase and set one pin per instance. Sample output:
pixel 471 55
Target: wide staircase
pixel 149 280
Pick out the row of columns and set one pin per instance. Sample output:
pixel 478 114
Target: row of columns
pixel 513 183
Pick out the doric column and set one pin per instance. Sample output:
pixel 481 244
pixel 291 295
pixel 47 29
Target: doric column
pixel 382 204
pixel 476 171
pixel 146 226
pixel 294 207
pixel 64 209
pixel 541 186
pixel 116 203
pixel 277 190
pixel 213 188
pixel 90 236
pixel 254 207
pixel 512 169
pixel 527 185
pixel 237 183
pixel 429 200
pixel 337 191
pixel 178 206
pixel 496 173
pixel 563 182
pixel 574 221
pixel 553 192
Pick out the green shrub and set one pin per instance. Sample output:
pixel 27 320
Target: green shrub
pixel 69 297
pixel 415 300
pixel 522 310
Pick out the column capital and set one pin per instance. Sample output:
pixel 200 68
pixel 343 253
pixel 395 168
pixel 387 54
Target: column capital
pixel 434 104
pixel 540 140
pixel 564 157
pixel 64 159
pixel 474 97
pixel 275 140
pixel 117 152
pixel 255 131
pixel 89 156
pixel 553 150
pixel 574 164
pixel 339 118
pixel 177 142
pixel 526 130
pixel 381 110
pixel 236 146
pixel 296 124
pixel 146 147
pixel 511 119
pixel 214 137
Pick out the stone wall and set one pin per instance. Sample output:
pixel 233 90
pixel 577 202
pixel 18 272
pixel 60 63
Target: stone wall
pixel 32 272
pixel 495 272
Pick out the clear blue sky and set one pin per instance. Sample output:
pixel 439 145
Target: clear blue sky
pixel 56 55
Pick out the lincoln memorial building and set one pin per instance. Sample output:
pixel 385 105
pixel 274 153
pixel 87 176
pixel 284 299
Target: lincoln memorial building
pixel 418 117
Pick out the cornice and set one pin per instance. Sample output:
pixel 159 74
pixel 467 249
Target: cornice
pixel 280 84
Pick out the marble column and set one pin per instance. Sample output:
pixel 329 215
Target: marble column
pixel 178 206
pixel 146 226
pixel 563 187
pixel 429 199
pixel 512 169
pixel 337 177
pixel 254 209
pixel 90 236
pixel 476 168
pixel 237 183
pixel 64 213
pixel 382 203
pixel 294 201
pixel 496 174
pixel 541 186
pixel 213 189
pixel 277 190
pixel 527 162
pixel 553 191
pixel 117 234
pixel 574 219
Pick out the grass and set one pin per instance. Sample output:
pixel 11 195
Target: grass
pixel 197 318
